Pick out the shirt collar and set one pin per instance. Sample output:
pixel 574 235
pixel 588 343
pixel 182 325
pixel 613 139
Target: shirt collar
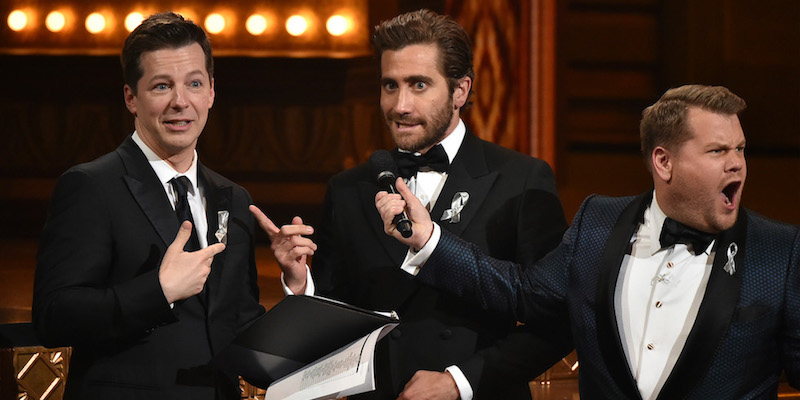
pixel 650 231
pixel 452 142
pixel 163 170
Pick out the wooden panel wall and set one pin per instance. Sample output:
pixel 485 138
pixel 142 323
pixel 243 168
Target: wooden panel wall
pixel 615 57
pixel 499 30
pixel 282 126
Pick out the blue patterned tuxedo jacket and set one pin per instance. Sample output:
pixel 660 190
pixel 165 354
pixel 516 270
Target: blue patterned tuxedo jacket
pixel 747 329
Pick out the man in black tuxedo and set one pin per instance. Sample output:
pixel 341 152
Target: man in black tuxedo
pixel 146 264
pixel 678 293
pixel 502 201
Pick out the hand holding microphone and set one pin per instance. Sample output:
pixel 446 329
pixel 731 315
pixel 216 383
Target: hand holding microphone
pixel 396 204
pixel 384 168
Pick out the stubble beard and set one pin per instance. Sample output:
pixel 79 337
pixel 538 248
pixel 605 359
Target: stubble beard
pixel 434 130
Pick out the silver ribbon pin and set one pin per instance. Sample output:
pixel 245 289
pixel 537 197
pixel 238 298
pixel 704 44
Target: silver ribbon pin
pixel 454 212
pixel 222 231
pixel 730 266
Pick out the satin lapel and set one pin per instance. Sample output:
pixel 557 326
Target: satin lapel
pixel 714 316
pixel 218 198
pixel 394 249
pixel 607 331
pixel 467 173
pixel 146 189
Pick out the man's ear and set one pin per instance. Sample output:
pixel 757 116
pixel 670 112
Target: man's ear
pixel 662 162
pixel 461 92
pixel 130 98
pixel 211 94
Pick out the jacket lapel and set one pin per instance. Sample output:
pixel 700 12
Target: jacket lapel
pixel 607 330
pixel 146 189
pixel 714 315
pixel 467 173
pixel 395 250
pixel 218 198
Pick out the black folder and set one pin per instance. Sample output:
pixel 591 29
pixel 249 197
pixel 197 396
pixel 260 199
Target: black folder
pixel 294 333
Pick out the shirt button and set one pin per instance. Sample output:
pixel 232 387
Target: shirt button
pixel 670 264
pixel 658 304
pixel 650 346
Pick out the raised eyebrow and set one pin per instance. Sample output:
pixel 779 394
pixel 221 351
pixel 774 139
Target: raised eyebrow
pixel 418 78
pixel 161 78
pixel 386 81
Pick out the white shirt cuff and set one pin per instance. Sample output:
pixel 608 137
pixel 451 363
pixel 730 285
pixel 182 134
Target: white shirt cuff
pixel 309 284
pixel 464 388
pixel 415 260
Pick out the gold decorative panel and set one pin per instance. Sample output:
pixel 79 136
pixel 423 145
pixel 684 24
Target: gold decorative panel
pixel 40 373
pixel 499 33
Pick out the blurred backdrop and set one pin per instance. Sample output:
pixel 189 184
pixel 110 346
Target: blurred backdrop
pixel 563 80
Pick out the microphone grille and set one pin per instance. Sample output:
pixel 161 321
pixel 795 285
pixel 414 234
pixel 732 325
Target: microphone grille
pixel 382 161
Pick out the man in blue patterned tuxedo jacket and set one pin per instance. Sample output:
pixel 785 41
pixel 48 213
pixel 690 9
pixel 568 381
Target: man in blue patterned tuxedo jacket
pixel 678 293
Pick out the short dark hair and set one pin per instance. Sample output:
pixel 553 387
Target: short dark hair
pixel 427 27
pixel 161 31
pixel 664 123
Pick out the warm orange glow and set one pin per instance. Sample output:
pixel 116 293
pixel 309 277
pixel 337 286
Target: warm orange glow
pixel 296 25
pixel 187 14
pixel 256 24
pixel 95 23
pixel 17 20
pixel 133 20
pixel 55 21
pixel 338 25
pixel 215 23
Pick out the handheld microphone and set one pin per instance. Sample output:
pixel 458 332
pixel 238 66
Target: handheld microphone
pixel 384 170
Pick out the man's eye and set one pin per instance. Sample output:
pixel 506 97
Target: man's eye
pixel 390 86
pixel 420 85
pixel 195 84
pixel 161 86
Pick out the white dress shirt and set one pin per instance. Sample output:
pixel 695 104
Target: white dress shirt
pixel 426 186
pixel 657 296
pixel 165 173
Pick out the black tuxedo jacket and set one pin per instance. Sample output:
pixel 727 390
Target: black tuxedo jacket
pixel 513 213
pixel 97 289
pixel 747 328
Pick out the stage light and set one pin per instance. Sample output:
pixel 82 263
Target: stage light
pixel 215 23
pixel 296 25
pixel 55 21
pixel 17 20
pixel 95 23
pixel 337 25
pixel 256 24
pixel 133 20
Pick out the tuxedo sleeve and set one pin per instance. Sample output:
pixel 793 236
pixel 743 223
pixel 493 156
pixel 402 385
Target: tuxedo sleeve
pixel 331 278
pixel 507 288
pixel 535 295
pixel 75 302
pixel 249 309
pixel 541 225
pixel 790 335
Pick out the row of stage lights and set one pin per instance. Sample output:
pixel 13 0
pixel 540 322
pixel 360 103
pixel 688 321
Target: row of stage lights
pixel 215 23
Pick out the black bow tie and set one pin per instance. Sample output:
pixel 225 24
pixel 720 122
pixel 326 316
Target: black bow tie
pixel 675 232
pixel 434 160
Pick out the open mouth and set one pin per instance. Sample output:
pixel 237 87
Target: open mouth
pixel 405 124
pixel 729 192
pixel 178 123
